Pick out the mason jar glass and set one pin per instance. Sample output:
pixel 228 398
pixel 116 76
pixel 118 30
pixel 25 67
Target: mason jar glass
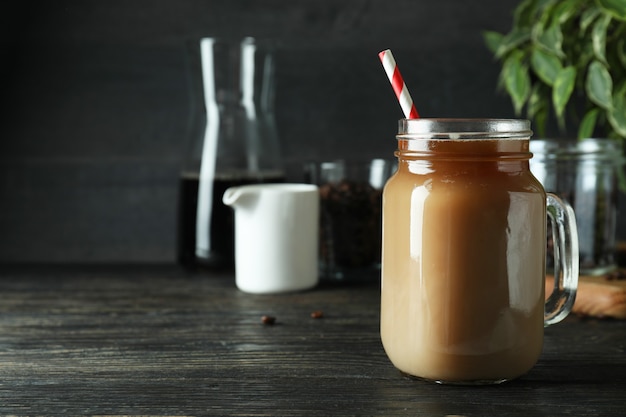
pixel 463 253
pixel 584 173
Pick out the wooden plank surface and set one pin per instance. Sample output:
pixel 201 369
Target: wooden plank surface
pixel 155 340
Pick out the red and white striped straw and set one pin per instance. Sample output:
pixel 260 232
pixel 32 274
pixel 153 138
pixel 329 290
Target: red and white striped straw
pixel 397 82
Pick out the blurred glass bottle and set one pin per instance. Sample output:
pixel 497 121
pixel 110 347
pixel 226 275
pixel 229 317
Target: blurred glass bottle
pixel 585 174
pixel 234 141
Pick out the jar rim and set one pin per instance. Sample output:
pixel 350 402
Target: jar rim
pixel 463 128
pixel 556 148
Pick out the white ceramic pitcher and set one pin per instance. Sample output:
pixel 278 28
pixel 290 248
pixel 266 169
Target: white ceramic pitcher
pixel 276 236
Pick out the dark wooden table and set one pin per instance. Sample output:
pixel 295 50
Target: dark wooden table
pixel 155 340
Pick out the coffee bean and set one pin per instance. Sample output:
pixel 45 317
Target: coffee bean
pixel 317 314
pixel 615 275
pixel 269 320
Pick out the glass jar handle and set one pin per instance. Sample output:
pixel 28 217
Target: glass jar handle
pixel 565 239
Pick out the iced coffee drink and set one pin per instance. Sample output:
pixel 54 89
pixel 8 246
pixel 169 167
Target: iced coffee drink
pixel 463 264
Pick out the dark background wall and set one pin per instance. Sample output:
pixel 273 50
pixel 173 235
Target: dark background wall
pixel 95 106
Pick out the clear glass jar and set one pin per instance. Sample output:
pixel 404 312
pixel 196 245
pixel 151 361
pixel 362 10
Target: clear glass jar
pixel 233 142
pixel 584 173
pixel 350 217
pixel 463 257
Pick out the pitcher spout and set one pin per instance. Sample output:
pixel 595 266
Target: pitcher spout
pixel 241 196
pixel 231 196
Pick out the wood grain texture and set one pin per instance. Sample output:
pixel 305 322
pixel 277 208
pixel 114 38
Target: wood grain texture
pixel 160 341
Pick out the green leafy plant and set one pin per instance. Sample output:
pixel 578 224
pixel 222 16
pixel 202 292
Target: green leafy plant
pixel 566 59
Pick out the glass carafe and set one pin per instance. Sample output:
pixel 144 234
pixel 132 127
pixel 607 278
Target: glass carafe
pixel 234 141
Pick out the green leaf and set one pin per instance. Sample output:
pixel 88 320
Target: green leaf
pixel 562 91
pixel 536 100
pixel 551 40
pixel 511 41
pixel 598 37
pixel 588 16
pixel 492 40
pixel 537 107
pixel 545 13
pixel 599 85
pixel 617 115
pixel 541 121
pixel 564 10
pixel 585 53
pixel 588 124
pixel 617 8
pixel 529 12
pixel 516 79
pixel 621 51
pixel 524 12
pixel 545 65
